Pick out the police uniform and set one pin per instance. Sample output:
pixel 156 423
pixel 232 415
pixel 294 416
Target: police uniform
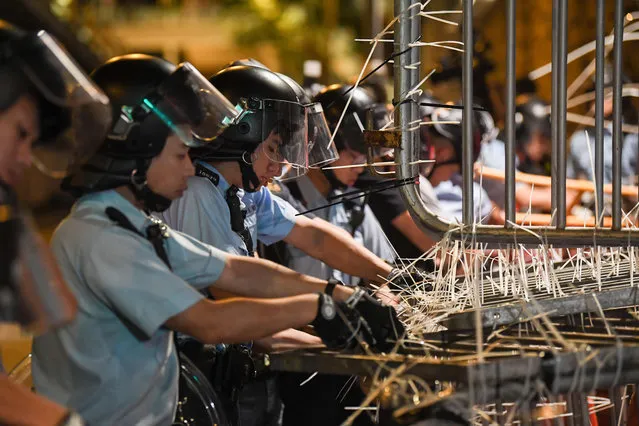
pixel 116 363
pixel 204 212
pixel 367 232
pixel 428 196
pixel 449 194
pixel 493 155
pixel 580 166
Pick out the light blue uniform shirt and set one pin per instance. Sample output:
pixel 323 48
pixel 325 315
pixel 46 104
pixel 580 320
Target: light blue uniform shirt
pixel 203 213
pixel 579 164
pixel 493 155
pixel 115 364
pixel 629 158
pixel 369 234
pixel 449 194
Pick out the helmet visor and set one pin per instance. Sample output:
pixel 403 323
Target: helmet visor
pixel 285 125
pixel 74 113
pixel 319 138
pixel 36 296
pixel 187 99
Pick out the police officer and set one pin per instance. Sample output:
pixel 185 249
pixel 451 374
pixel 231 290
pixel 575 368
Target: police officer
pixel 580 163
pixel 532 149
pixel 44 94
pixel 136 280
pixel 266 218
pixel 444 138
pixel 314 189
pixel 228 205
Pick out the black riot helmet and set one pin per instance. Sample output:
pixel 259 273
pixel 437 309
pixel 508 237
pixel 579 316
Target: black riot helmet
pixel 151 99
pixel 73 112
pixel 272 111
pixel 350 134
pixel 249 62
pixel 448 123
pixel 531 117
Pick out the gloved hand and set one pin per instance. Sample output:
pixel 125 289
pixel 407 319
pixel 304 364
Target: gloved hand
pixel 401 279
pixel 382 320
pixel 339 325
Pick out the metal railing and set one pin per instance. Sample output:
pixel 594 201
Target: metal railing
pixel 407 29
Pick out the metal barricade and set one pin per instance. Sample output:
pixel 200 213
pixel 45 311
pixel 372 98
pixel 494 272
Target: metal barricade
pixel 407 29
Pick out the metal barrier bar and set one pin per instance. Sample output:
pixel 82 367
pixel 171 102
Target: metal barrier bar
pixel 403 79
pixel 560 52
pixel 616 120
pixel 599 105
pixel 467 121
pixel 510 111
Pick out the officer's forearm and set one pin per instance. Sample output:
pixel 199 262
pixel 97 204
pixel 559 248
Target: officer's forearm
pixel 250 277
pixel 20 406
pixel 336 248
pixel 286 340
pixel 240 320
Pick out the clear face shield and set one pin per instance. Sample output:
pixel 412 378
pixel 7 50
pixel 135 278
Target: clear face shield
pixel 319 138
pixel 33 293
pixel 75 113
pixel 285 125
pixel 187 103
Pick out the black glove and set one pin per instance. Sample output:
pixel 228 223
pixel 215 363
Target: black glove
pixel 401 279
pixel 382 320
pixel 338 325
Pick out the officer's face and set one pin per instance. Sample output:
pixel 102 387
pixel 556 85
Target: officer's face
pixel 266 159
pixel 19 129
pixel 170 171
pixel 348 157
pixel 538 148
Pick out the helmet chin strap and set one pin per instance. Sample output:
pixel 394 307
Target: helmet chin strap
pixel 151 201
pixel 332 180
pixel 250 181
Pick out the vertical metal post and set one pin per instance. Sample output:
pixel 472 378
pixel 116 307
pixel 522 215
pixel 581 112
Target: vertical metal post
pixel 616 119
pixel 467 121
pixel 559 66
pixel 577 403
pixel 599 105
pixel 407 27
pixel 510 111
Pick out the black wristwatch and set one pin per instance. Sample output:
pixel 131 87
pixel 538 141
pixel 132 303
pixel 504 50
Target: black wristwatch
pixel 330 286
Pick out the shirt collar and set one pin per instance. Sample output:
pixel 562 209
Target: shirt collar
pixel 111 198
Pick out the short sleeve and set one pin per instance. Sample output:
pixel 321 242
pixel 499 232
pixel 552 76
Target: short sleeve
pixel 275 217
pixel 577 164
pixel 629 158
pixel 126 274
pixel 197 263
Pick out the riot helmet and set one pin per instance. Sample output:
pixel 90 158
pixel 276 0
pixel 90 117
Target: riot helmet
pixel 448 123
pixel 74 113
pixel 151 99
pixel 350 134
pixel 531 116
pixel 273 111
